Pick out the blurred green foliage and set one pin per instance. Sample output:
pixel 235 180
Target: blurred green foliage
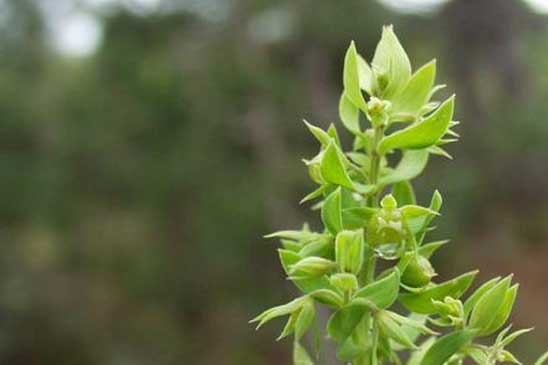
pixel 136 183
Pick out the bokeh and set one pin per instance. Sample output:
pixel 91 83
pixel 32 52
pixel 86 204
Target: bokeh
pixel 146 147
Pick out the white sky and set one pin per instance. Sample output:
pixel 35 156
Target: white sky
pixel 76 33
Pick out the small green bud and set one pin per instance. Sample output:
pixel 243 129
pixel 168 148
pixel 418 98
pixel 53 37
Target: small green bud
pixel 419 272
pixel 389 202
pixel 314 170
pixel 344 281
pixel 349 251
pixel 386 227
pixel 377 110
pixel 312 266
pixel 451 310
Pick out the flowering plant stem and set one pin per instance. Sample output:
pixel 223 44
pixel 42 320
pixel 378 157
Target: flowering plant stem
pixel 337 265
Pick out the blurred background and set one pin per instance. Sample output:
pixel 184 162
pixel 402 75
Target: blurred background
pixel 147 145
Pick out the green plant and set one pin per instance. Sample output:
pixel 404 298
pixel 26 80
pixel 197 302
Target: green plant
pixel 337 266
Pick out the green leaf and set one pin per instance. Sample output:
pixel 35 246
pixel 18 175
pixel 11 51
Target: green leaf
pixel 315 194
pixel 417 91
pixel 510 338
pixel 390 328
pixel 305 319
pixel 332 212
pixel 504 311
pixel 349 251
pixel 488 305
pixel 542 359
pixel 415 211
pixel 357 217
pixel 365 75
pixel 403 192
pixel 349 114
pixel 350 349
pixel 414 326
pixel 417 356
pixel 422 134
pixel 421 301
pixel 421 224
pixel 470 303
pixel 428 249
pixel 390 58
pixel 343 322
pixel 319 133
pixel 300 356
pixel 410 166
pixel 351 80
pixel 332 167
pixel 279 311
pixel 289 327
pixel 382 293
pixel 446 346
pixel 507 356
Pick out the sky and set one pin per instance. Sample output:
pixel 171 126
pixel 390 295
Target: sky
pixel 76 32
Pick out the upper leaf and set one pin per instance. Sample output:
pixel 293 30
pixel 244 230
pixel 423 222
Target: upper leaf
pixel 407 103
pixel 391 61
pixel 351 79
pixel 332 212
pixel 488 305
pixel 422 134
pixel 446 346
pixel 332 167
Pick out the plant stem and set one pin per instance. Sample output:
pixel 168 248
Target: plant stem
pixel 369 274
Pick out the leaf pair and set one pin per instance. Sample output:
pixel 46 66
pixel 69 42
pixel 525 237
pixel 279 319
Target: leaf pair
pixel 491 305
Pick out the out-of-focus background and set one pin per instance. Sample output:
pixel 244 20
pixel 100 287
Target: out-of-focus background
pixel 147 145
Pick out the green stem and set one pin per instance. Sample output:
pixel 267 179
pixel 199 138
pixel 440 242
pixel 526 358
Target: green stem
pixel 369 326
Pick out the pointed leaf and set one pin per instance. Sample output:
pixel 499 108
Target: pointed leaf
pixel 417 91
pixel 422 134
pixel 446 346
pixel 504 311
pixel 349 114
pixel 332 167
pixel 470 303
pixel 332 212
pixel 383 292
pixel 488 305
pixel 390 58
pixel 343 322
pixel 351 80
pixel 300 356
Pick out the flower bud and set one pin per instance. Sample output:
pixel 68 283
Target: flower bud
pixel 385 227
pixel 377 110
pixel 314 171
pixel 312 266
pixel 418 272
pixel 349 251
